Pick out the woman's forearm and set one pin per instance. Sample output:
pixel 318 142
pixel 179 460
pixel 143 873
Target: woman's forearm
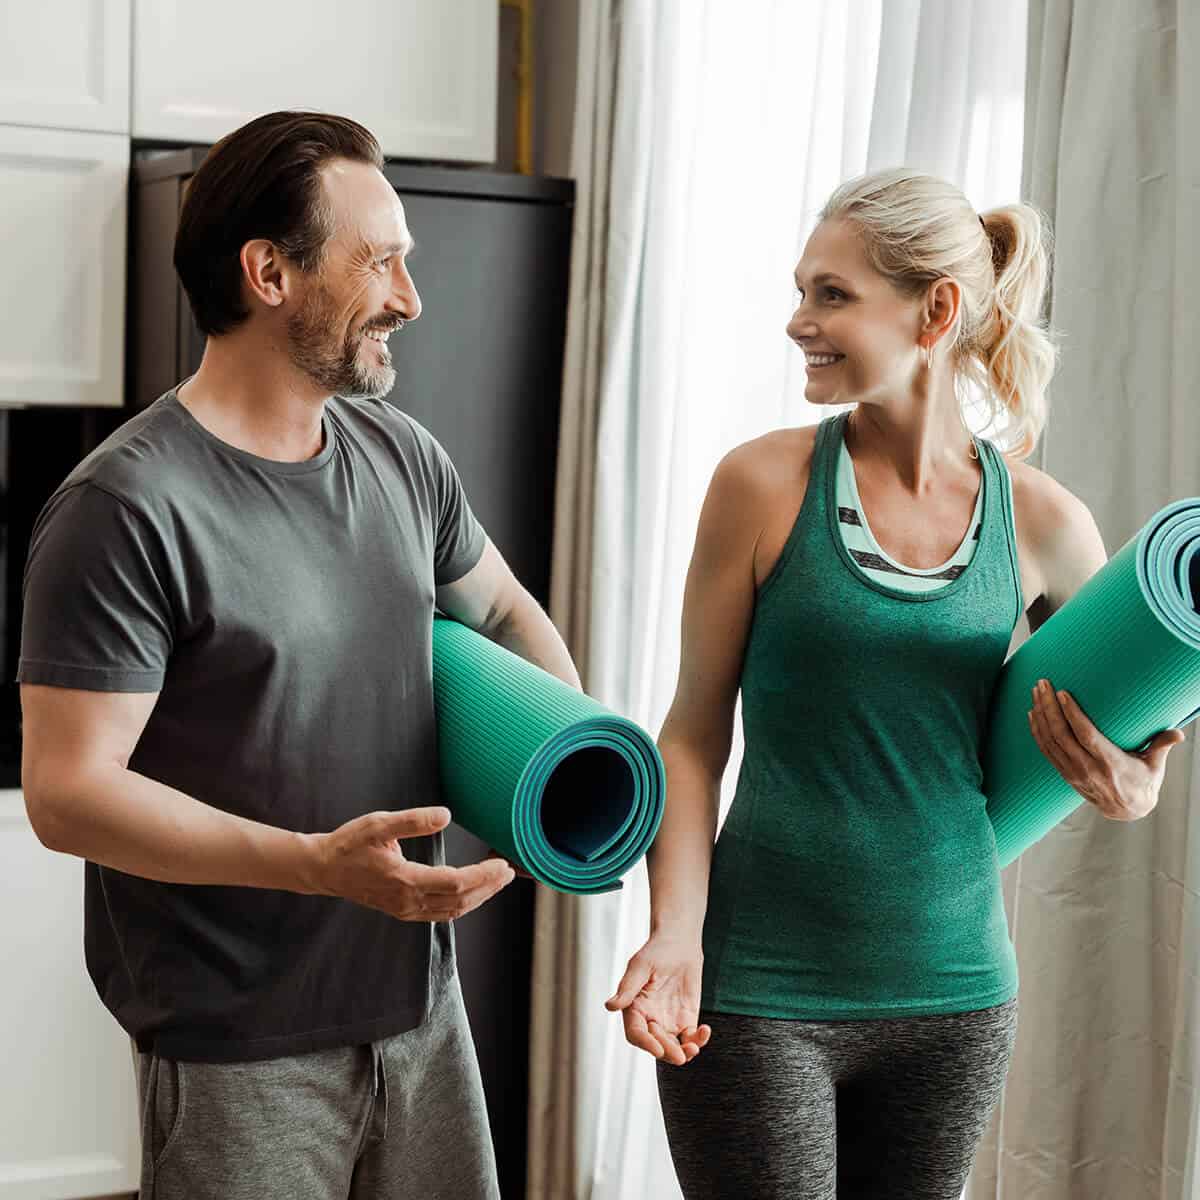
pixel 680 859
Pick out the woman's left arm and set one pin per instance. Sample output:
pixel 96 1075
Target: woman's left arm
pixel 1123 785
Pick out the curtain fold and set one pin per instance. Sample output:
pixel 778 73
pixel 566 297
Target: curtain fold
pixel 707 135
pixel 1101 1101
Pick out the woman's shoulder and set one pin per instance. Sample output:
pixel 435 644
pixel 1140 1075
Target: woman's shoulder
pixel 1057 533
pixel 1045 510
pixel 757 490
pixel 764 467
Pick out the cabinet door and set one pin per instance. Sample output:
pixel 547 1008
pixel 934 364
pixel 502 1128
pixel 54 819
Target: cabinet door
pixel 68 1107
pixel 62 289
pixel 420 76
pixel 65 64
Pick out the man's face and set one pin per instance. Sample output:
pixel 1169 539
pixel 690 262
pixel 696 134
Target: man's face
pixel 363 291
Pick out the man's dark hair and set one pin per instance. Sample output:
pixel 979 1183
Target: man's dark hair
pixel 261 181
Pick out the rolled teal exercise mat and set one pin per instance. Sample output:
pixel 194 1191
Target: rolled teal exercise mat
pixel 547 776
pixel 1126 646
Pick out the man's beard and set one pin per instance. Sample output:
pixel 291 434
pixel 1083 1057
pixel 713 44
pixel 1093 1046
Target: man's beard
pixel 332 365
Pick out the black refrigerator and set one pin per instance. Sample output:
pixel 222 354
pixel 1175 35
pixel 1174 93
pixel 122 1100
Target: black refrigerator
pixel 482 370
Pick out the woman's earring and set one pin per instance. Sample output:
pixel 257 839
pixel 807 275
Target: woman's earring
pixel 928 349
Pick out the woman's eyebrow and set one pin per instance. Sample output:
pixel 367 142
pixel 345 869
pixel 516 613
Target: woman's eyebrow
pixel 824 277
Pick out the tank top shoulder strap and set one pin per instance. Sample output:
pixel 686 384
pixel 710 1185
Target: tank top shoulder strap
pixel 811 522
pixel 823 468
pixel 1000 532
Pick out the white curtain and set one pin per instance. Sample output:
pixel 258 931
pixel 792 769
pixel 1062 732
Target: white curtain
pixel 1102 1100
pixel 708 134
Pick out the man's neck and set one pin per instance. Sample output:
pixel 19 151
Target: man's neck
pixel 255 400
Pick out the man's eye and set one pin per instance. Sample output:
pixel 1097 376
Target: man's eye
pixel 383 262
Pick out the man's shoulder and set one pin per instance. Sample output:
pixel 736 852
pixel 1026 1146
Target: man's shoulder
pixel 138 459
pixel 383 420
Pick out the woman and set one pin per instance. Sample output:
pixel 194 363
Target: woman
pixel 846 943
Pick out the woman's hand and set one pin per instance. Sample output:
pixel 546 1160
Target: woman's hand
pixel 659 999
pixel 1122 785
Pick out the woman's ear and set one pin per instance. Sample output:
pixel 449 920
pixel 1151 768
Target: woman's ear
pixel 943 302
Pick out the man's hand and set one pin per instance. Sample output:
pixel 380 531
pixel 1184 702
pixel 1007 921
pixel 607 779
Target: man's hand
pixel 362 861
pixel 520 871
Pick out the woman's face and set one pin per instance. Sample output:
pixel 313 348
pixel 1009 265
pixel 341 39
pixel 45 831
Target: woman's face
pixel 859 335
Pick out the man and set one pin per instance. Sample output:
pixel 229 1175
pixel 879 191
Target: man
pixel 228 712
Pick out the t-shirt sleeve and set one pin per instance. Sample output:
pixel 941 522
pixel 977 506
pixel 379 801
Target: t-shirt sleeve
pixel 96 611
pixel 459 537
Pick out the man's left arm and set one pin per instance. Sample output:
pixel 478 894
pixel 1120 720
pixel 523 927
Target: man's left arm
pixel 490 600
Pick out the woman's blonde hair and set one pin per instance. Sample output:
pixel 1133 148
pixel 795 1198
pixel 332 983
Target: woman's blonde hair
pixel 917 228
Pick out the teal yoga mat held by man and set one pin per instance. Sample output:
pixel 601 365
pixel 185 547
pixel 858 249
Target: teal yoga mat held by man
pixel 564 788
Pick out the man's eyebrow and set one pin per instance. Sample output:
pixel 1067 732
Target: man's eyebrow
pixel 404 248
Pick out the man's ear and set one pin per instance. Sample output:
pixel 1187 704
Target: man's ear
pixel 266 272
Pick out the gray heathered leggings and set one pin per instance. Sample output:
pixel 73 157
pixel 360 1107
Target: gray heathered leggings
pixel 836 1110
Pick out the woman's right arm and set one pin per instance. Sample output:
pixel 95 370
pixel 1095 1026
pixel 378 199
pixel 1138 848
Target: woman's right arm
pixel 659 995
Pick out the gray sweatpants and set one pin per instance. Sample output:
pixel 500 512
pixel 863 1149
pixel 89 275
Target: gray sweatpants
pixel 836 1110
pixel 388 1120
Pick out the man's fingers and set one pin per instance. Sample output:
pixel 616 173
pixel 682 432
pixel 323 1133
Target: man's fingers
pixel 458 881
pixel 382 827
pixel 474 899
pixel 637 975
pixel 520 871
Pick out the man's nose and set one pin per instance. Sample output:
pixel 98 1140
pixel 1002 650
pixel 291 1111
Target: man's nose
pixel 405 299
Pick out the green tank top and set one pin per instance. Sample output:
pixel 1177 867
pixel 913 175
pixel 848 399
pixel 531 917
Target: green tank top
pixel 856 874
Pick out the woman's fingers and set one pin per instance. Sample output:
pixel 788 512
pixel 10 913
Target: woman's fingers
pixel 637 1034
pixel 1156 753
pixel 637 975
pixel 1048 746
pixel 1088 736
pixel 672 1050
pixel 1046 703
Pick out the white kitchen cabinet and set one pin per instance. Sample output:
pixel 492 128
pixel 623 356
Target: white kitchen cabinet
pixel 420 74
pixel 63 200
pixel 64 64
pixel 68 1100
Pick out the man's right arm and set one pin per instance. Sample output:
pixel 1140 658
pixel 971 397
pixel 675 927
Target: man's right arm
pixel 83 799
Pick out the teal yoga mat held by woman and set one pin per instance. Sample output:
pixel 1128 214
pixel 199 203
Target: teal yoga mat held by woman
pixel 1125 650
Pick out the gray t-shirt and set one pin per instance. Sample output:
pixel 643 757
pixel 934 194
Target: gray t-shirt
pixel 284 613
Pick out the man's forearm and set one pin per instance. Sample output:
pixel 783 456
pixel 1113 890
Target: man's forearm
pixel 528 632
pixel 118 818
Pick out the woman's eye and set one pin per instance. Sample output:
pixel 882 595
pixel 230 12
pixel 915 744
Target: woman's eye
pixel 835 294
